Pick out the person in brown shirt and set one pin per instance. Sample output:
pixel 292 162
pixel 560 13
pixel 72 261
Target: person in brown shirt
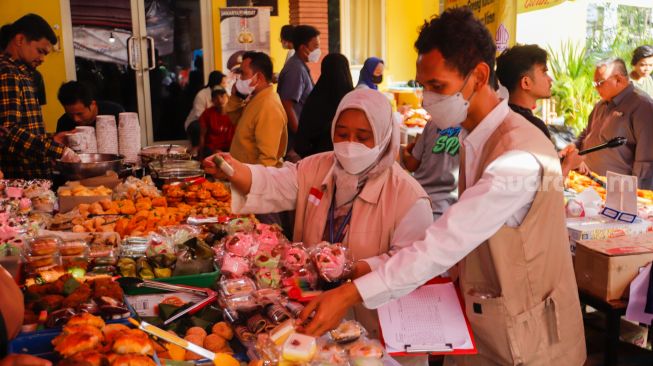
pixel 623 111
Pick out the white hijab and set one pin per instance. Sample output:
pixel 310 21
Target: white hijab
pixel 385 128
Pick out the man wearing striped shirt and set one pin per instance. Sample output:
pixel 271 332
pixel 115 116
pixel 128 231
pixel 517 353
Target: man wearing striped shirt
pixel 27 151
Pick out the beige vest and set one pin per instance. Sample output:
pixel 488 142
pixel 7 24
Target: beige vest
pixel 519 286
pixel 377 211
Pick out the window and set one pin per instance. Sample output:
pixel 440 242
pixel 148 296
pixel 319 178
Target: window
pixel 362 31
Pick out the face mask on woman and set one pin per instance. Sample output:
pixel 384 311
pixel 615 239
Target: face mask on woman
pixel 314 56
pixel 355 157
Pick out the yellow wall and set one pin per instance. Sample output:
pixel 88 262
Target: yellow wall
pixel 402 24
pixel 53 69
pixel 277 53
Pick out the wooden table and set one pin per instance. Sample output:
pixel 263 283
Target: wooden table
pixel 613 311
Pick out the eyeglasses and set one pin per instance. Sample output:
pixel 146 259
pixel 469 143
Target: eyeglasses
pixel 600 82
pixel 618 215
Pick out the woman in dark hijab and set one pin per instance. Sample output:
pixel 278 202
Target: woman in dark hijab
pixel 371 74
pixel 314 134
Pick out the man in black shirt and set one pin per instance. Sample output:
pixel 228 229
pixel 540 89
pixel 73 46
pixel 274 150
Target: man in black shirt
pixel 522 70
pixel 81 106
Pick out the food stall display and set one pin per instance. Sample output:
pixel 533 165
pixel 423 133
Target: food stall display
pixel 183 234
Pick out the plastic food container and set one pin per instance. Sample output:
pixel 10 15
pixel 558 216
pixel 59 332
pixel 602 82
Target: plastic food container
pixel 74 248
pixel 42 262
pixel 43 246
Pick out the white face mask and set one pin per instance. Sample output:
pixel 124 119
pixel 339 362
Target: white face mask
pixel 314 56
pixel 355 157
pixel 245 87
pixel 446 110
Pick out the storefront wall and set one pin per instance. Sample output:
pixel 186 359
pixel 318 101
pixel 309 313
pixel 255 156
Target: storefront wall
pixel 54 67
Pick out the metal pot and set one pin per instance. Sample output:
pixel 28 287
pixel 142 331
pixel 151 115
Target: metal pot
pixel 91 165
pixel 159 167
pixel 176 175
pixel 152 153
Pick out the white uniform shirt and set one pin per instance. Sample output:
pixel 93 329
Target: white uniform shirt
pixel 497 199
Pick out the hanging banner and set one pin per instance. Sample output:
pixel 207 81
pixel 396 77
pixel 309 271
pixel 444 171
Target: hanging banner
pixel 524 6
pixel 499 16
pixel 243 29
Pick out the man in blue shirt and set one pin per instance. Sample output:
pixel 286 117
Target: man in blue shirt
pixel 295 82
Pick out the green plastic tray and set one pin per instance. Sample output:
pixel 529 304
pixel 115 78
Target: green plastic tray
pixel 204 280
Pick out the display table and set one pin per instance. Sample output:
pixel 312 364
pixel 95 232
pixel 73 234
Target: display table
pixel 613 311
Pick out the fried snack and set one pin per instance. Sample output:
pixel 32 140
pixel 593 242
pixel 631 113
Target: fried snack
pixel 86 319
pixel 107 287
pixel 112 328
pixel 83 328
pixel 214 343
pixel 93 357
pixel 51 302
pixel 176 353
pixel 132 360
pixel 81 295
pixel 133 343
pixel 196 339
pixel 224 359
pixel 196 331
pixel 223 330
pixel 76 342
pixel 73 362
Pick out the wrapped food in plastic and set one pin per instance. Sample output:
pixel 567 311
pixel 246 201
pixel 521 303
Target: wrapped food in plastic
pixel 198 248
pixel 266 296
pixel 157 244
pixel 127 267
pixel 240 244
pixel 242 304
pixel 234 266
pixel 179 234
pixel 73 247
pixel 304 278
pixel 241 224
pixel 237 286
pixel 34 264
pixel 264 259
pixel 187 264
pixel 365 348
pixel 295 257
pixel 267 350
pixel 348 331
pixel 133 246
pixel 144 269
pixel 268 277
pixel 331 261
pixel 329 353
pixel 44 245
pixel 277 312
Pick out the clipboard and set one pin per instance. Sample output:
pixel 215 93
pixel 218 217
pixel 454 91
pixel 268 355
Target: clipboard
pixel 439 349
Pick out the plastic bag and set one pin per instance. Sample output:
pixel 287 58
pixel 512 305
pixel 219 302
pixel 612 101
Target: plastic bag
pixel 331 261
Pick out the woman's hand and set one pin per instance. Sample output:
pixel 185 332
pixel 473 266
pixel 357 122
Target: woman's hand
pixel 242 177
pixel 16 359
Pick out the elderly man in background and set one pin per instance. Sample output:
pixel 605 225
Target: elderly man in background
pixel 623 111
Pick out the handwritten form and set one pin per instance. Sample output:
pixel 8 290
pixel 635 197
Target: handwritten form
pixel 430 319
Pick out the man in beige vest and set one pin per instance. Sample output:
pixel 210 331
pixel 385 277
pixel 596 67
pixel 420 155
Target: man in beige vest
pixel 506 235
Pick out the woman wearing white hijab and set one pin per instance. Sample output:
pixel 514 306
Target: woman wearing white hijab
pixel 357 195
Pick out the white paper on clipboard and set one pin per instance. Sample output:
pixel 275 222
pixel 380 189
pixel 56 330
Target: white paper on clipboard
pixel 430 319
